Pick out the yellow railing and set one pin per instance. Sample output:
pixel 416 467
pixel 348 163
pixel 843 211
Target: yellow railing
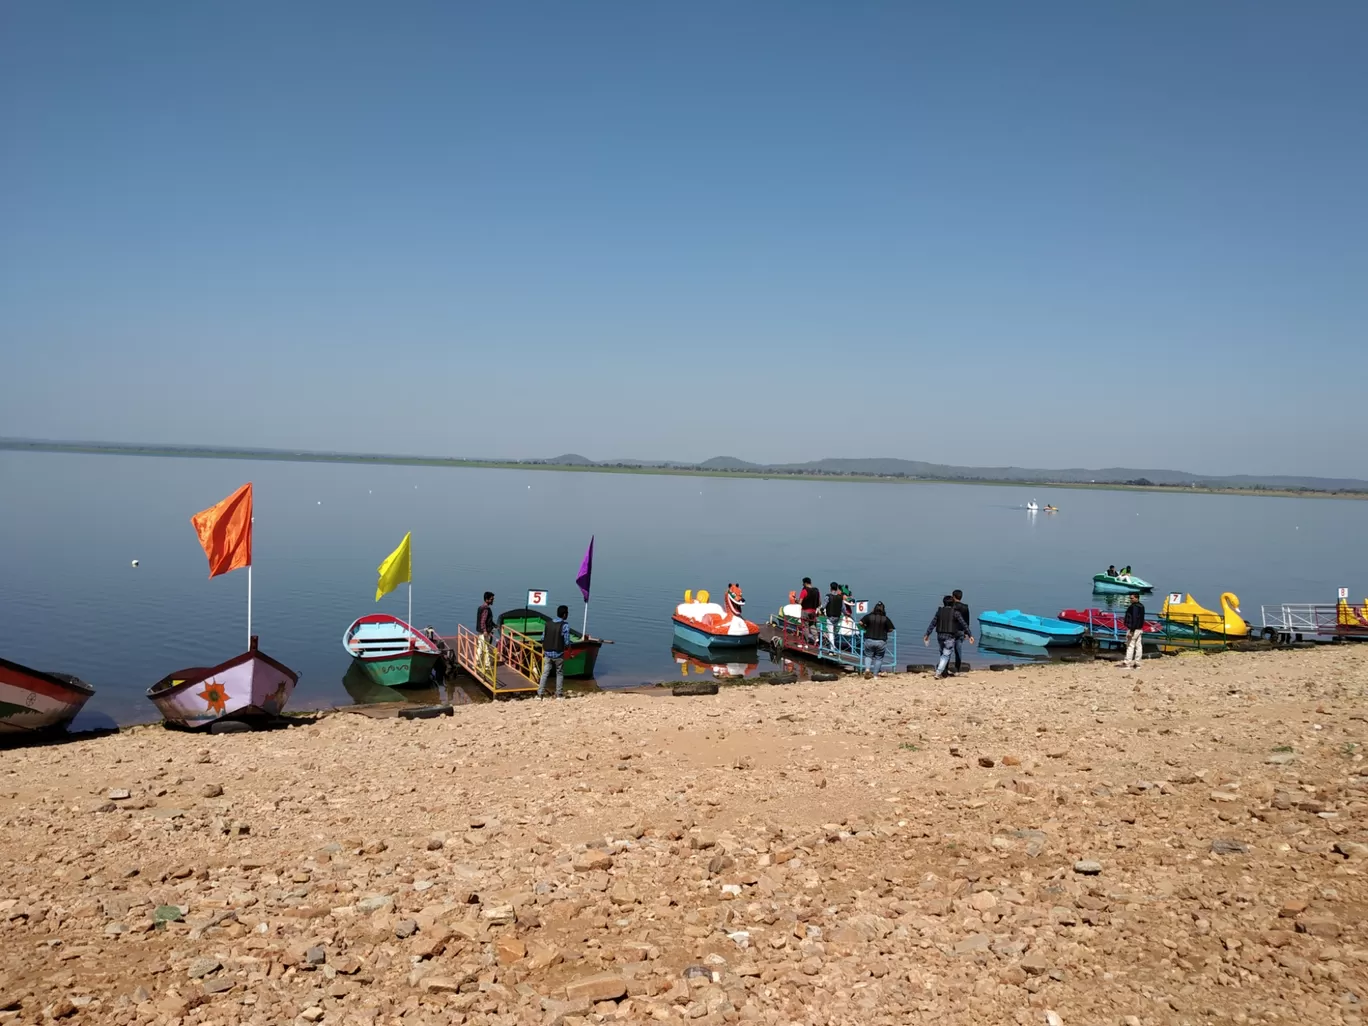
pixel 477 657
pixel 521 653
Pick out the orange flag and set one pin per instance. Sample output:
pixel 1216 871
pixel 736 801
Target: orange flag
pixel 225 531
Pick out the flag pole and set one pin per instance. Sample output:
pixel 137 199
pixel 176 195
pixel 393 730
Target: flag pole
pixel 249 605
pixel 410 619
pixel 584 631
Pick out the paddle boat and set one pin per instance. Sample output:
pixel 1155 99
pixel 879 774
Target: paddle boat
pixel 1025 629
pixel 1187 619
pixel 1104 621
pixel 391 652
pixel 1351 616
pixel 699 660
pixel 705 623
pixel 1032 506
pixel 580 657
pixel 1051 509
pixel 34 701
pixel 251 686
pixel 1120 584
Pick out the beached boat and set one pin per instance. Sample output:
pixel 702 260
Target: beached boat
pixel 391 652
pixel 250 686
pixel 710 625
pixel 34 701
pixel 1101 619
pixel 580 657
pixel 1120 584
pixel 1187 619
pixel 1025 629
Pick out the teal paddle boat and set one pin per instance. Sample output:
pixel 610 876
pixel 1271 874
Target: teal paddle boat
pixel 1025 629
pixel 1120 584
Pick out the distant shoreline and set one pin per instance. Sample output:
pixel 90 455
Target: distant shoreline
pixel 187 452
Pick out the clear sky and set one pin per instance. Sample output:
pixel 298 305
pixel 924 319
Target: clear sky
pixel 1042 234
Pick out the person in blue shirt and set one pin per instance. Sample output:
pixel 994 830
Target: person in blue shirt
pixel 555 641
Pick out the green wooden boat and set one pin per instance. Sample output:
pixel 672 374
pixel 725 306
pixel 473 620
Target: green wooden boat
pixel 582 654
pixel 390 651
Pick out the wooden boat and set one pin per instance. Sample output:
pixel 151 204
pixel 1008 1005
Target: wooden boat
pixel 1121 584
pixel 1186 619
pixel 704 623
pixel 582 655
pixel 1025 629
pixel 250 686
pixel 33 701
pixel 1101 619
pixel 391 652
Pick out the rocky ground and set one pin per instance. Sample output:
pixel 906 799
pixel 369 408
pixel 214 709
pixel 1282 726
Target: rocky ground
pixel 1078 844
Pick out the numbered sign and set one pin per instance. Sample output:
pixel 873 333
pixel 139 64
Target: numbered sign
pixel 537 598
pixel 1175 598
pixel 1344 593
pixel 861 608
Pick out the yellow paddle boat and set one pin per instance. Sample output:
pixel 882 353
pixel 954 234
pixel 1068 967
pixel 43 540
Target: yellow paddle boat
pixel 1188 619
pixel 1351 616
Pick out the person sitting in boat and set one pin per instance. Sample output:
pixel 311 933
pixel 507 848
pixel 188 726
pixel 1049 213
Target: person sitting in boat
pixel 1111 571
pixel 1125 572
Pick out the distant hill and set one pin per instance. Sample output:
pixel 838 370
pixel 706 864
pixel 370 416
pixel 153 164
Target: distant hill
pixel 872 467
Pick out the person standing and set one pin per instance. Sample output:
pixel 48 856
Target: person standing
pixel 835 607
pixel 1135 632
pixel 555 641
pixel 946 622
pixel 487 627
pixel 963 611
pixel 877 627
pixel 809 601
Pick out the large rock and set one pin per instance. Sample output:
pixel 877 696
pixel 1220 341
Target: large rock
pixel 603 987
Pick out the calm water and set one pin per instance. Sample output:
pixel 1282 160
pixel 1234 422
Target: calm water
pixel 70 526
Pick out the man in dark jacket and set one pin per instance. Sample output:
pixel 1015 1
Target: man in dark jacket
pixel 946 623
pixel 1135 633
pixel 555 641
pixel 487 627
pixel 877 626
pixel 963 611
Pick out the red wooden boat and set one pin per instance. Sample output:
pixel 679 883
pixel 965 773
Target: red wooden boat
pixel 1102 620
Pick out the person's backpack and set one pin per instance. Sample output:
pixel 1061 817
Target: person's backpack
pixel 835 605
pixel 945 620
pixel 552 638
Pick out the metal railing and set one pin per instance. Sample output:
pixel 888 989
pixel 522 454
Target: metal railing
pixel 519 652
pixel 1177 631
pixel 832 641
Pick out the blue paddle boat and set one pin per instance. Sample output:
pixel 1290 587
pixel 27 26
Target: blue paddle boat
pixel 1025 629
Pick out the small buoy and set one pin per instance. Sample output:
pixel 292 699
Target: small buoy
pixel 135 562
pixel 320 502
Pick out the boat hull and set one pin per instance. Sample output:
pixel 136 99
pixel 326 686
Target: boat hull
pixel 700 638
pixel 399 671
pixel 251 686
pixel 34 702
pixel 580 658
pixel 1025 633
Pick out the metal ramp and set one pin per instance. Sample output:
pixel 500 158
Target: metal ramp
pixel 511 667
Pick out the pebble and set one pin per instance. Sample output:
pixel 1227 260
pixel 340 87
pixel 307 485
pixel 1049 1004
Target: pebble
pixel 203 966
pixel 1087 867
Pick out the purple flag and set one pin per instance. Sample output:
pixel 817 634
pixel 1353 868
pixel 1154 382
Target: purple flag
pixel 586 570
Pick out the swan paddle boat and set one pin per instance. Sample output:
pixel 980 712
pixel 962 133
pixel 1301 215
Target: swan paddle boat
pixel 391 652
pixel 1187 619
pixel 1025 629
pixel 709 625
pixel 1120 584
pixel 1351 616
pixel 251 686
pixel 32 701
pixel 1032 506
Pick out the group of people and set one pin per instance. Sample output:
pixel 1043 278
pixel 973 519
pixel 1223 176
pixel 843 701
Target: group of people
pixel 555 641
pixel 839 610
pixel 1123 572
pixel 950 624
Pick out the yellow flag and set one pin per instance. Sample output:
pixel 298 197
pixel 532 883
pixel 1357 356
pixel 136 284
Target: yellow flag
pixel 395 570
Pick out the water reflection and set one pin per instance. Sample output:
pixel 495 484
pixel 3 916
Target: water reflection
pixel 760 661
pixel 460 690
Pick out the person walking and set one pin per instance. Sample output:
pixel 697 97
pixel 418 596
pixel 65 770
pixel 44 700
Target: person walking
pixel 487 627
pixel 835 608
pixel 877 626
pixel 946 622
pixel 555 641
pixel 963 611
pixel 1135 632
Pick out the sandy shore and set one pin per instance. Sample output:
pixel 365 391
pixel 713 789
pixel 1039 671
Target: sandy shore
pixel 1185 843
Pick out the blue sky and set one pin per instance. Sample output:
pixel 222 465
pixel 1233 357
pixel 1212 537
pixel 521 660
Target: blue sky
pixel 1047 234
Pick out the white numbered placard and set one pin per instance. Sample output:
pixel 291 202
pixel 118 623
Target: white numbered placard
pixel 537 598
pixel 1344 593
pixel 861 608
pixel 1175 598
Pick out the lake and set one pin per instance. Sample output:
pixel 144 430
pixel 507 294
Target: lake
pixel 70 525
